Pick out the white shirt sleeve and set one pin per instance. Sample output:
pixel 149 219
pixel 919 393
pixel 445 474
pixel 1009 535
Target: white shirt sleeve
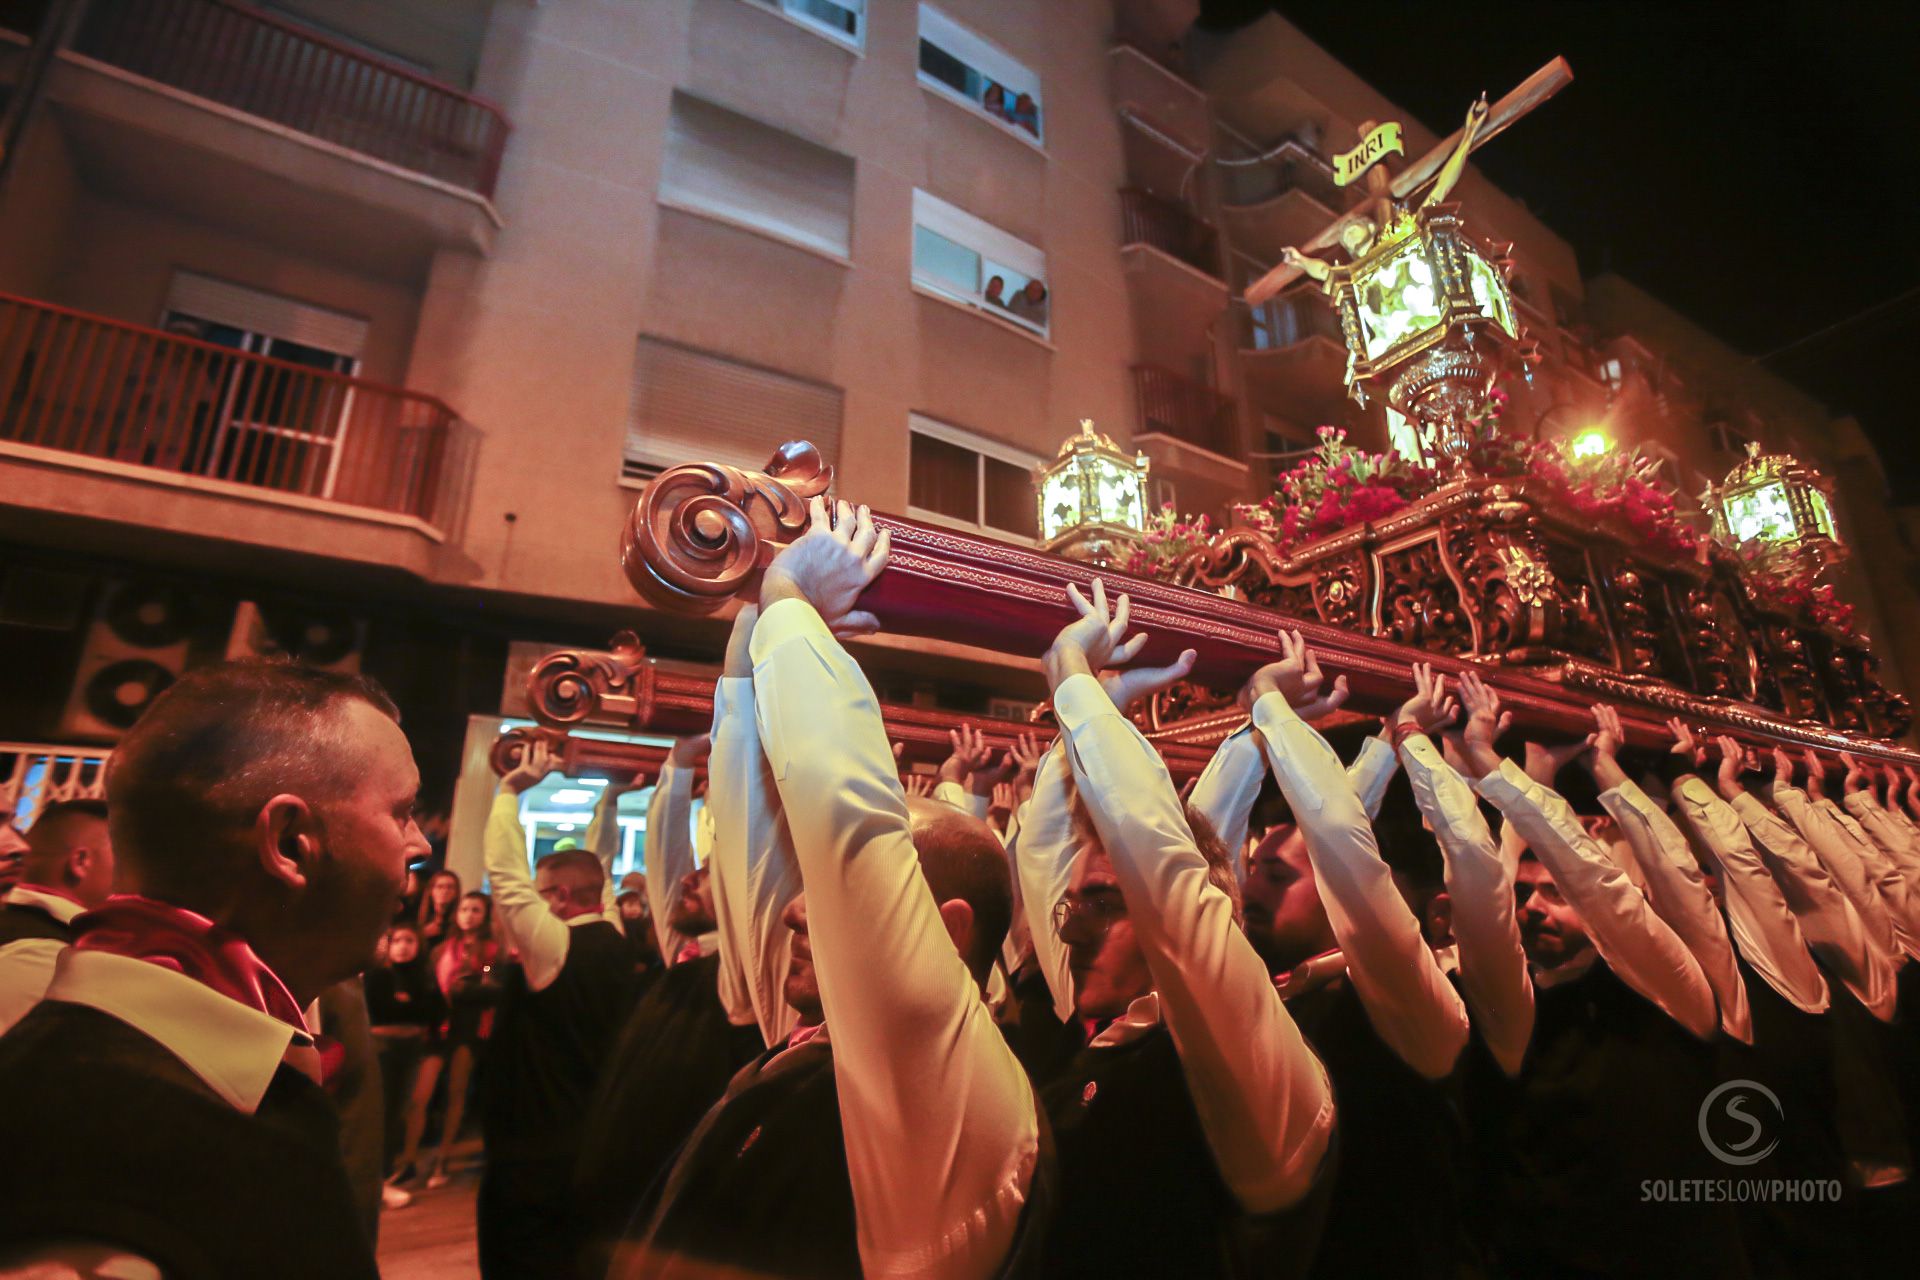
pixel 1767 909
pixel 755 873
pixel 1493 963
pixel 669 853
pixel 1623 926
pixel 1262 1095
pixel 940 1123
pixel 1678 890
pixel 1043 864
pixel 1828 919
pixel 1372 772
pixel 1227 789
pixel 1818 822
pixel 1394 972
pixel 536 933
pixel 1891 864
pixel 603 842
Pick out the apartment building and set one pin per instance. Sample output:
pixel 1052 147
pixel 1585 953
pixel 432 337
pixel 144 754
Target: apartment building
pixel 352 327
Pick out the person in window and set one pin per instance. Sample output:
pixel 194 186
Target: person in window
pixel 996 291
pixel 1030 304
pixel 1026 114
pixel 995 101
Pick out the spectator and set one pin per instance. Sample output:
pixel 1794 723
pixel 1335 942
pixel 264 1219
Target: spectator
pixel 1030 304
pixel 995 101
pixel 435 916
pixel 12 846
pixel 466 971
pixel 996 289
pixel 67 869
pixel 1026 114
pixel 261 817
pixel 407 1009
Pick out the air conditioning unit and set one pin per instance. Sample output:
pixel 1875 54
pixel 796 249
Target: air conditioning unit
pixel 138 642
pixel 313 637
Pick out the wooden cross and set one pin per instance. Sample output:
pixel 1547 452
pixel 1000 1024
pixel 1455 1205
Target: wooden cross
pixel 1533 91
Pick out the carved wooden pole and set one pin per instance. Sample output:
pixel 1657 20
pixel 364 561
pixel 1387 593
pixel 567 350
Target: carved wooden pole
pixel 701 534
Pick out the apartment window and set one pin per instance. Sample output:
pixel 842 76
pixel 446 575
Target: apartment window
pixel 258 427
pixel 695 406
pixel 959 64
pixel 956 477
pixel 727 166
pixel 1611 371
pixel 843 20
pixel 960 257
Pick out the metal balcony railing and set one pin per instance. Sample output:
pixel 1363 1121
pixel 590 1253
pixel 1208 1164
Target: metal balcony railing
pixel 1290 166
pixel 266 66
pixel 1188 411
pixel 1289 320
pixel 1167 227
pixel 95 387
pixel 34 775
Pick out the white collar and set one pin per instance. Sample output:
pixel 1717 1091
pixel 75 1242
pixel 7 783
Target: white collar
pixel 61 909
pixel 1142 1016
pixel 233 1048
pixel 1562 974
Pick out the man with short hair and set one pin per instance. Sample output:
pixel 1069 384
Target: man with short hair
pixel 13 848
pixel 67 868
pixel 555 1028
pixel 165 1114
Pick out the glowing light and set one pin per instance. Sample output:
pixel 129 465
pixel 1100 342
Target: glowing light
pixel 571 795
pixel 1591 443
pixel 564 826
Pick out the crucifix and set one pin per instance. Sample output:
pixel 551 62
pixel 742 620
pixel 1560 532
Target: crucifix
pixel 1440 168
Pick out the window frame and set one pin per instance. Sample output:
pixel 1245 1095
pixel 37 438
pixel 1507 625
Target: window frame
pixel 1037 139
pixel 784 10
pixel 982 447
pixel 995 251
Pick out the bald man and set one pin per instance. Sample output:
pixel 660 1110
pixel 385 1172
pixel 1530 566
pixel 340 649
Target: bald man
pixel 66 867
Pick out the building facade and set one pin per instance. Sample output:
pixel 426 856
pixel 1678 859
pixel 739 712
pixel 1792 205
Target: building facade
pixel 352 329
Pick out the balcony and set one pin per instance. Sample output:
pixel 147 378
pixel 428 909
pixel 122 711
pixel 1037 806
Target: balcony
pixel 226 439
pixel 1178 409
pixel 1284 196
pixel 1293 354
pixel 241 119
pixel 1156 100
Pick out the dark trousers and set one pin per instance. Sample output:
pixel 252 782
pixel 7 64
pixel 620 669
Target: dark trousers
pixel 528 1230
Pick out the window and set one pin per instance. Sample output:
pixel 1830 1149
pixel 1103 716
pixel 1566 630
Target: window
pixel 955 477
pixel 694 406
pixel 957 63
pixel 843 20
pixel 733 168
pixel 958 256
pixel 255 425
pixel 1611 371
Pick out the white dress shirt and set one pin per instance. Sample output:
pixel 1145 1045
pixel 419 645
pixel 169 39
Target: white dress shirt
pixel 26 965
pixel 1624 928
pixel 755 874
pixel 1759 909
pixel 963 799
pixel 1408 998
pixel 941 1130
pixel 669 856
pixel 529 925
pixel 1262 1096
pixel 1845 858
pixel 1486 931
pixel 1043 859
pixel 1675 885
pixel 1895 868
pixel 1827 918
pixel 1229 785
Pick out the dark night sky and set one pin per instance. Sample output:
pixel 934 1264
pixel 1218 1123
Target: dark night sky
pixel 1754 167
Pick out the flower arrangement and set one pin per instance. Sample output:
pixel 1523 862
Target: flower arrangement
pixel 1170 537
pixel 1341 485
pixel 1794 593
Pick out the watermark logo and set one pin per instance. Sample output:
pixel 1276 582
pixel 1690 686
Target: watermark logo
pixel 1740 1122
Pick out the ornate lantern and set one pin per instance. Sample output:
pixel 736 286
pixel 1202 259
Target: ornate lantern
pixel 1428 307
pixel 1777 509
pixel 1093 497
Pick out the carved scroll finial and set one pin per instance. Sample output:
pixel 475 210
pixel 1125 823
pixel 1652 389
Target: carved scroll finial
pixel 702 532
pixel 571 686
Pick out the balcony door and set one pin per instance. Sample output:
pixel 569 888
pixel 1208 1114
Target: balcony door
pixel 275 426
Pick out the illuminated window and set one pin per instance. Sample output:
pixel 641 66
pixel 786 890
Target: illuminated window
pixel 958 64
pixel 965 259
pixel 842 20
pixel 1611 372
pixel 958 478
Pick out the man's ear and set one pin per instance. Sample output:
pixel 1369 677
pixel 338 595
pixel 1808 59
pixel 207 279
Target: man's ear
pixel 957 915
pixel 286 840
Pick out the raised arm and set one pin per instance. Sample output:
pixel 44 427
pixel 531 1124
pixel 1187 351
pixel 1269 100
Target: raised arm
pixel 755 873
pixel 939 1120
pixel 1674 882
pixel 1894 861
pixel 669 850
pixel 1493 964
pixel 1817 819
pixel 1629 935
pixel 1407 996
pixel 1262 1096
pixel 1043 865
pixel 603 842
pixel 535 932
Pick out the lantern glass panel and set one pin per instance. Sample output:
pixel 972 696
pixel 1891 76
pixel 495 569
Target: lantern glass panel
pixel 1490 294
pixel 1060 501
pixel 1762 513
pixel 1822 514
pixel 1119 489
pixel 1397 299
